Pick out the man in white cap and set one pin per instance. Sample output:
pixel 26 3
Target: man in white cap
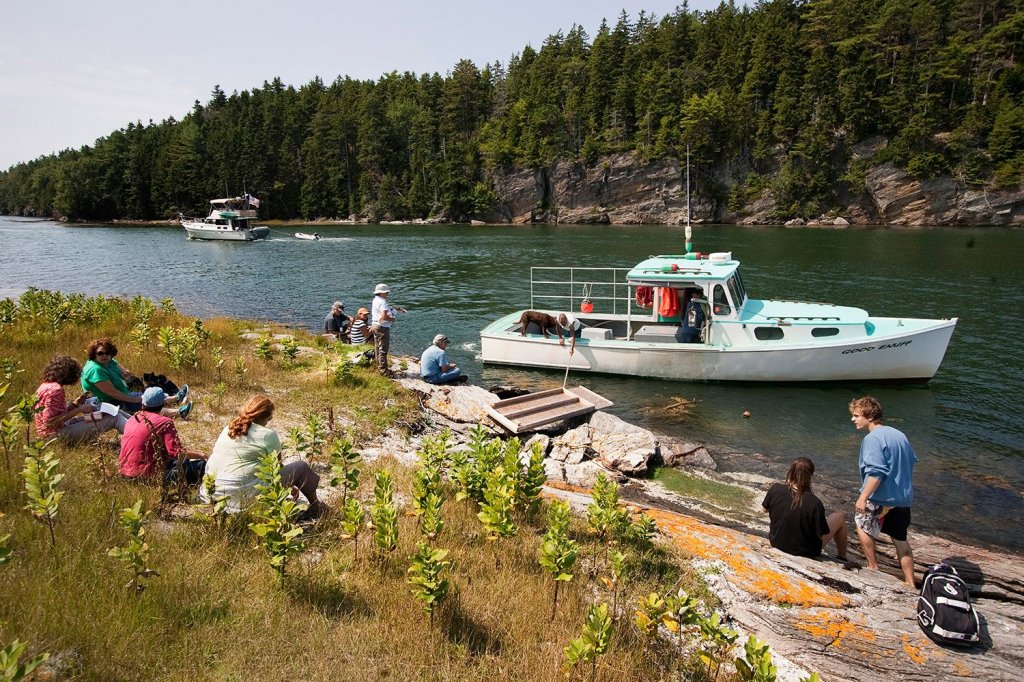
pixel 435 367
pixel 382 316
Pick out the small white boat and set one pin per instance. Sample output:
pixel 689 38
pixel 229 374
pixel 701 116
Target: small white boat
pixel 309 236
pixel 230 219
pixel 742 339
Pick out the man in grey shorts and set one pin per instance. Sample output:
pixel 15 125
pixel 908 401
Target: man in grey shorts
pixel 887 491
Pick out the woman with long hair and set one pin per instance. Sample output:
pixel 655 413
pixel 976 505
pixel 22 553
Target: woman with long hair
pixel 237 454
pixel 70 422
pixel 798 524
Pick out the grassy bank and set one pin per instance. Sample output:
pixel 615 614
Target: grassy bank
pixel 217 610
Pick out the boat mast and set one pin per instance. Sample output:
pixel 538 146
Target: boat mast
pixel 689 230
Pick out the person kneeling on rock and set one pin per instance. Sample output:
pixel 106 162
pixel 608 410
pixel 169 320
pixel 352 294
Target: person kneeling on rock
pixel 435 367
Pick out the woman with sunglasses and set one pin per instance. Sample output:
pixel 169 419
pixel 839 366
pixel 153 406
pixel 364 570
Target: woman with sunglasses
pixel 104 377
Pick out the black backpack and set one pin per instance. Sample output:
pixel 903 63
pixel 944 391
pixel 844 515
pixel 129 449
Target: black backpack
pixel 944 608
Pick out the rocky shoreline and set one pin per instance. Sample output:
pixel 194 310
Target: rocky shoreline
pixel 816 615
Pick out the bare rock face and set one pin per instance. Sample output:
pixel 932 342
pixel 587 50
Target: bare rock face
pixel 620 445
pixel 678 453
pixel 624 189
pixel 573 446
pixel 900 199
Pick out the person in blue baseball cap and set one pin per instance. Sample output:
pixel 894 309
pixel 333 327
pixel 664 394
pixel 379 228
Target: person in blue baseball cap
pixel 150 445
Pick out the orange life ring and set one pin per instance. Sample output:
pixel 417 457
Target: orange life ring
pixel 645 297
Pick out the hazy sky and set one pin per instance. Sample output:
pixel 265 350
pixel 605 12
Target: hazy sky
pixel 75 70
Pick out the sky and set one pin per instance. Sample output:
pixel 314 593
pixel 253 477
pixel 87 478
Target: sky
pixel 72 71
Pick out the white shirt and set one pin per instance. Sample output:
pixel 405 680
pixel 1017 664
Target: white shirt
pixel 381 306
pixel 571 323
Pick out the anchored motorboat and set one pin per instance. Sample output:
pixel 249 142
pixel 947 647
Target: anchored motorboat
pixel 694 321
pixel 644 332
pixel 230 219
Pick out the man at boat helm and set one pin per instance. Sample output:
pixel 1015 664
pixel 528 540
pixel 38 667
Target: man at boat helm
pixel 383 316
pixel 568 322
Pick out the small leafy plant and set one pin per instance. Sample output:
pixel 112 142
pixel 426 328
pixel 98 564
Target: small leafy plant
pixel 275 511
pixel 5 549
pixel 13 671
pixel 264 348
pixel 41 481
pixel 135 553
pixel 344 467
pixel 428 585
pixel 240 370
pixel 593 641
pixel 290 349
pixel 557 551
pixel 384 514
pixel 756 663
pixel 352 518
pixel 218 503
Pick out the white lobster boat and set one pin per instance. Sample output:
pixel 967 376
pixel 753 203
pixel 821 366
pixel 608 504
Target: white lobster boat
pixel 230 219
pixel 742 339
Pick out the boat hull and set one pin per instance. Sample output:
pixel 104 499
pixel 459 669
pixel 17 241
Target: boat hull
pixel 201 231
pixel 912 355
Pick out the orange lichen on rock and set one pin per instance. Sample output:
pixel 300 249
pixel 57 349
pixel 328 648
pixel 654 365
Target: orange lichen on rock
pixel 562 485
pixel 914 652
pixel 836 629
pixel 750 572
pixel 961 669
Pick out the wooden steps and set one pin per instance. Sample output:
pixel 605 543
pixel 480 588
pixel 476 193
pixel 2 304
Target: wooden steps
pixel 528 412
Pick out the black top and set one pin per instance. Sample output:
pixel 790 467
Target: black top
pixel 795 531
pixel 337 324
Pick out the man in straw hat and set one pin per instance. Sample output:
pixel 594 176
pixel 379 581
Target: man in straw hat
pixel 383 316
pixel 435 367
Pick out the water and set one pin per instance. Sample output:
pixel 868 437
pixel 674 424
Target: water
pixel 967 424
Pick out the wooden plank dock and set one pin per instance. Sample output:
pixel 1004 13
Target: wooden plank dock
pixel 531 411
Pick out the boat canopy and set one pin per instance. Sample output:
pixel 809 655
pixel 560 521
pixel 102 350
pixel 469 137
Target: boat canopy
pixel 666 270
pixel 796 312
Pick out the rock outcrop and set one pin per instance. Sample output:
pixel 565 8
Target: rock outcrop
pixel 624 189
pixel 815 613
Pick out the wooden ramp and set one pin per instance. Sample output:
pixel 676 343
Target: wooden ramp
pixel 531 411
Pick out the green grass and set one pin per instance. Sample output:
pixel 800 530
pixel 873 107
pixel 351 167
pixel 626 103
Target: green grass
pixel 722 495
pixel 217 610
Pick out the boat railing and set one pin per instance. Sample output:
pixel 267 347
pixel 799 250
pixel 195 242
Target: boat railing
pixel 566 287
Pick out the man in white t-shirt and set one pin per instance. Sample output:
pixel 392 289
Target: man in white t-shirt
pixel 382 316
pixel 569 323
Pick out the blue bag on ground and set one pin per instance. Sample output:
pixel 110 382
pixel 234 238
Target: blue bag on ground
pixel 944 609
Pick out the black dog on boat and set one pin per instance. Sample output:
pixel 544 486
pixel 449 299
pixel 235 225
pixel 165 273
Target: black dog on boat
pixel 150 379
pixel 542 320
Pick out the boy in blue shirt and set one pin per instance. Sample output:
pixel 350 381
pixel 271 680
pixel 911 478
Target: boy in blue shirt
pixel 887 491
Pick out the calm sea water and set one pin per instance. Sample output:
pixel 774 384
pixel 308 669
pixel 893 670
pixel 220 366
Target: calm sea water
pixel 967 424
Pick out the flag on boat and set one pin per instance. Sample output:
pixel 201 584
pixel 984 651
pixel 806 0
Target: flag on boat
pixel 252 201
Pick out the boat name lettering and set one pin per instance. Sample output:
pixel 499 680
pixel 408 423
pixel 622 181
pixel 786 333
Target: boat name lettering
pixel 884 346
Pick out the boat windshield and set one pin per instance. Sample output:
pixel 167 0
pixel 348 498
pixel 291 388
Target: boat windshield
pixel 736 288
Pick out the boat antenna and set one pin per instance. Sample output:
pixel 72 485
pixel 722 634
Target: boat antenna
pixel 689 230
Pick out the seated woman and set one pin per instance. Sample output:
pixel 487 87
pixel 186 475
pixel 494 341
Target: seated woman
pixel 150 446
pixel 798 524
pixel 237 454
pixel 106 379
pixel 69 422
